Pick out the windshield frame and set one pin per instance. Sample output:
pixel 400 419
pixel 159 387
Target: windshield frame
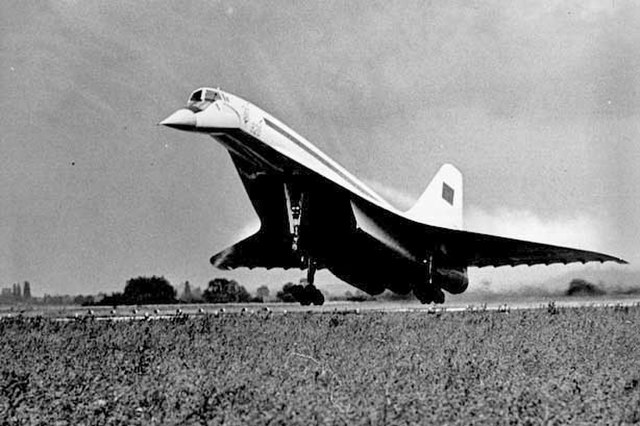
pixel 202 97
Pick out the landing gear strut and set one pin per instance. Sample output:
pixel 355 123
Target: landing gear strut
pixel 294 200
pixel 310 293
pixel 307 294
pixel 428 292
pixel 311 271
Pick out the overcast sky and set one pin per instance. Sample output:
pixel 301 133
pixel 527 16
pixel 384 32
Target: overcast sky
pixel 537 102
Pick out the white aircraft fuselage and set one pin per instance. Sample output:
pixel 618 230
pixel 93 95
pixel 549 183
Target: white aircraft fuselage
pixel 315 214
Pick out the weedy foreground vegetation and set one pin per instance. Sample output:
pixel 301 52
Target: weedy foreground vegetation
pixel 553 366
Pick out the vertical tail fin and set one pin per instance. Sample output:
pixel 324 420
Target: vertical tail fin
pixel 441 202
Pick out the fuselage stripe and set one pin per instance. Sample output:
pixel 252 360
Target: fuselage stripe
pixel 315 155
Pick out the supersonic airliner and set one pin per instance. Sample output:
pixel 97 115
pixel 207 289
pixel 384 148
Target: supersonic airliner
pixel 314 214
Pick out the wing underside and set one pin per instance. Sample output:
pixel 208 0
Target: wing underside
pixel 487 250
pixel 260 250
pixel 270 247
pixel 466 248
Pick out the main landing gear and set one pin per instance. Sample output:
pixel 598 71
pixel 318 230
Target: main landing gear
pixel 307 294
pixel 428 292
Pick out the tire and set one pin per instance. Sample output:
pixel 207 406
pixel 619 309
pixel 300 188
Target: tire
pixel 422 295
pixel 438 296
pixel 317 297
pixel 305 297
pixel 426 294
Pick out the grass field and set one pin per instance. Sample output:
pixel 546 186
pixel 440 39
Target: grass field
pixel 552 365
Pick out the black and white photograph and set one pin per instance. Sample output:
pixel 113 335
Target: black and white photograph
pixel 319 212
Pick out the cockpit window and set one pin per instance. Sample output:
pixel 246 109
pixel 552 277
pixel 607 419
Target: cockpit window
pixel 202 98
pixel 196 96
pixel 210 95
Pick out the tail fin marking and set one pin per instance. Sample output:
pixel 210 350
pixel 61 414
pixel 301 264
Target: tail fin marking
pixel 441 203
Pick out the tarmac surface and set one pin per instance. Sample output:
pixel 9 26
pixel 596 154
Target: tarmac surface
pixel 149 312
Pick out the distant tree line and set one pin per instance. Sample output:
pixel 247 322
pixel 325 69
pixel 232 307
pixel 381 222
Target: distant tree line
pixel 158 291
pixel 142 291
pixel 16 293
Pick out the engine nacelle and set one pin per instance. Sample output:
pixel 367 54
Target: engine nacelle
pixel 453 280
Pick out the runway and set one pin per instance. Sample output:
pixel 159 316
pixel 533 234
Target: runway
pixel 156 312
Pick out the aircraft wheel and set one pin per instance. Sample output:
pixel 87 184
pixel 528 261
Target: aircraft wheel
pixel 305 297
pixel 438 296
pixel 317 297
pixel 310 295
pixel 427 294
pixel 423 296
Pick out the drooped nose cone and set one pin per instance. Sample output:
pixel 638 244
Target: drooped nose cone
pixel 216 118
pixel 182 119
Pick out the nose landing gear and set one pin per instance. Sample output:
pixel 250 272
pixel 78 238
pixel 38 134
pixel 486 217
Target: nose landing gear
pixel 310 293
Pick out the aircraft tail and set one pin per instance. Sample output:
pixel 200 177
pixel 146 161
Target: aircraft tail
pixel 441 203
